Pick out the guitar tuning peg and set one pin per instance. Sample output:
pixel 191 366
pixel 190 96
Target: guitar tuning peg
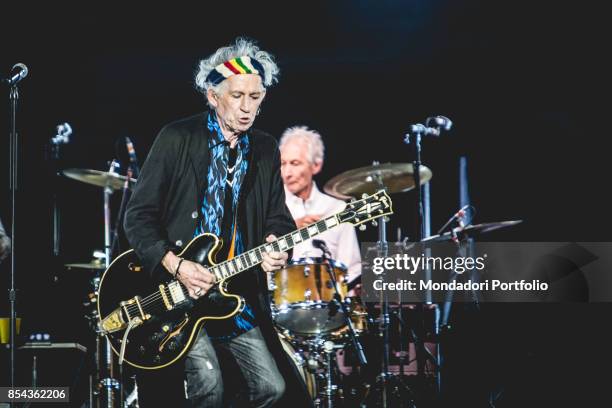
pixel 362 227
pixel 364 195
pixel 374 223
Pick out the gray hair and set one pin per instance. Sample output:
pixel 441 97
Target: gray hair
pixel 316 149
pixel 241 47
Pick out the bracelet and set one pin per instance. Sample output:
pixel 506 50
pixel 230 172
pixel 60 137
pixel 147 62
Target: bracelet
pixel 176 271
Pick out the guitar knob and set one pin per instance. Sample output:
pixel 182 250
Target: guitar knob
pixel 374 223
pixel 364 195
pixel 362 227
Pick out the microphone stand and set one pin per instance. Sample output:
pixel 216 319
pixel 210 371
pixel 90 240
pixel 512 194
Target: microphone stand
pixel 14 185
pixel 413 138
pixel 339 301
pixel 336 302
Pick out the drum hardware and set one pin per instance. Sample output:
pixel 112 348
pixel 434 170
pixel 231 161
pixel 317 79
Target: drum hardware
pixel 106 387
pixel 339 302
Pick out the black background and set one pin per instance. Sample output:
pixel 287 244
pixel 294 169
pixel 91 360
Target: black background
pixel 522 82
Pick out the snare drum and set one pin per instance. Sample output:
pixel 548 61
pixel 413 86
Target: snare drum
pixel 302 294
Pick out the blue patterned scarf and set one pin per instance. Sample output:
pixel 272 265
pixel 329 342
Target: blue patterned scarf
pixel 212 206
pixel 212 210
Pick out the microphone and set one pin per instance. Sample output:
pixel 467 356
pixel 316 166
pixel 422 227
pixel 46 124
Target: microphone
pixel 424 130
pixel 132 153
pixel 440 122
pixel 64 131
pixel 434 125
pixel 320 244
pixel 19 73
pixel 457 216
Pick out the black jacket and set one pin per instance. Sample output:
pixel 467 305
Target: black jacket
pixel 164 208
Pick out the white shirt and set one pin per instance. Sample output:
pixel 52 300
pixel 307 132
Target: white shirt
pixel 341 240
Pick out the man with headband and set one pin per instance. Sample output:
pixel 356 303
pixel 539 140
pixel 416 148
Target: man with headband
pixel 214 173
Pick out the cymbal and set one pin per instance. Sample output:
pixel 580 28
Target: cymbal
pixel 95 264
pixel 98 178
pixel 471 229
pixel 394 177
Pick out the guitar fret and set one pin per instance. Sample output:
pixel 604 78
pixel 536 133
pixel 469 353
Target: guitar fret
pixel 304 233
pixel 282 243
pixel 289 241
pixel 244 259
pixel 321 226
pixel 313 230
pixel 331 222
pixel 238 262
pixel 297 238
pixel 275 246
pixel 215 271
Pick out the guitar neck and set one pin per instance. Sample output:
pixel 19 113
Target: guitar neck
pixel 254 256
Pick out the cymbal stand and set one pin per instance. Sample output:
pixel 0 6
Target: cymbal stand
pixel 109 388
pixel 382 252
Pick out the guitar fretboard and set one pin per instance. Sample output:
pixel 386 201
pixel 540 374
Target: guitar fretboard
pixel 254 256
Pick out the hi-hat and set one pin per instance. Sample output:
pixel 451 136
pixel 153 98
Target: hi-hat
pixel 394 177
pixel 99 178
pixel 473 229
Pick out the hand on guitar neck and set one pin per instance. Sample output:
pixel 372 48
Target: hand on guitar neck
pixel 196 278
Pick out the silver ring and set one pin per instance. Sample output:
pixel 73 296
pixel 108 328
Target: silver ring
pixel 198 291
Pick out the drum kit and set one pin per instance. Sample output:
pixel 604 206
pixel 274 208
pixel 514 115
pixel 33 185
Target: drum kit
pixel 318 313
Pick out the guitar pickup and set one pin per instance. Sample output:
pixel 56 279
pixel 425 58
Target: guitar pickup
pixel 134 301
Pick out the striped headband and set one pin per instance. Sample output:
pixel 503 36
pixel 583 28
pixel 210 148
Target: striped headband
pixel 236 66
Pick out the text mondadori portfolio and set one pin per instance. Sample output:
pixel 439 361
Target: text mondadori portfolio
pixel 486 285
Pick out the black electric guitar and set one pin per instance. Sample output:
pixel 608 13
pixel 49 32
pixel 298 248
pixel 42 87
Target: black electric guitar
pixel 151 325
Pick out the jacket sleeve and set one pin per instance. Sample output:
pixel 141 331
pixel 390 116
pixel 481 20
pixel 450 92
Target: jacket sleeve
pixel 143 224
pixel 279 221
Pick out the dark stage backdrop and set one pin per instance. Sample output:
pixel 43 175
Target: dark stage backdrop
pixel 520 81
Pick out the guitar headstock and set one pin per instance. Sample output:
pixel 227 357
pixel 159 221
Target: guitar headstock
pixel 367 209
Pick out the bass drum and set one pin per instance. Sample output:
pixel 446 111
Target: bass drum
pixel 308 377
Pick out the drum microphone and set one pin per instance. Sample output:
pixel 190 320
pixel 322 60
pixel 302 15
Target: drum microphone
pixel 457 216
pixel 320 244
pixel 19 73
pixel 64 131
pixel 132 153
pixel 434 125
pixel 440 122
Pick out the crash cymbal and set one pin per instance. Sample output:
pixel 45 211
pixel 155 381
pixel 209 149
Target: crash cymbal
pixel 95 264
pixel 473 229
pixel 98 178
pixel 395 177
